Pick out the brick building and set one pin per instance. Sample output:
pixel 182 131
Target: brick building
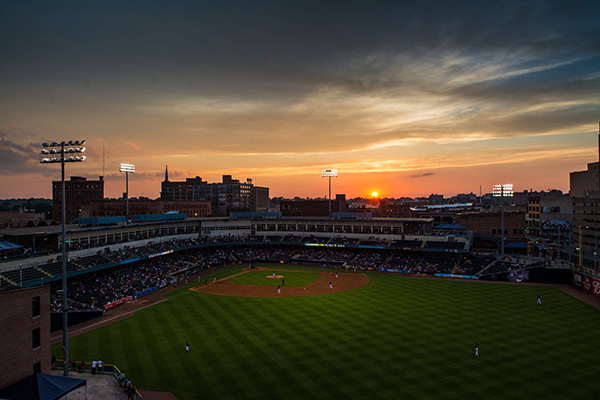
pixel 79 192
pixel 25 344
pixel 392 209
pixel 118 207
pixel 311 208
pixel 491 224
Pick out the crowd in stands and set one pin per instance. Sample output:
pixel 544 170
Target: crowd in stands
pixel 437 264
pixel 258 253
pixel 403 261
pixel 110 279
pixel 471 264
pixel 324 255
pixel 369 259
pixel 95 290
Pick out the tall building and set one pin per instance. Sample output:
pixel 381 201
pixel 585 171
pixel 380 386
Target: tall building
pixel 78 194
pixel 260 199
pixel 550 215
pixel 585 193
pixel 231 195
pixel 227 196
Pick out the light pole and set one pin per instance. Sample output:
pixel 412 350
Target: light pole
pixel 329 173
pixel 127 168
pixel 52 153
pixel 503 191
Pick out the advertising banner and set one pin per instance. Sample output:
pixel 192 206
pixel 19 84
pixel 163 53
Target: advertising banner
pixel 576 278
pixel 116 303
pixel 456 276
pixel 397 270
pixel 590 284
pixel 143 292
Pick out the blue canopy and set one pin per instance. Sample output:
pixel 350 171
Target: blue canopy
pixel 9 246
pixel 41 387
pixel 450 226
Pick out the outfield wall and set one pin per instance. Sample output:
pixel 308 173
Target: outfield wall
pixel 587 282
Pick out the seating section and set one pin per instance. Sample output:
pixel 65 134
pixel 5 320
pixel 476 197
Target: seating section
pixel 437 264
pixel 23 275
pixel 102 277
pixel 470 265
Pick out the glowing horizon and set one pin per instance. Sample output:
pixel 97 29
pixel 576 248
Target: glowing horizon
pixel 401 100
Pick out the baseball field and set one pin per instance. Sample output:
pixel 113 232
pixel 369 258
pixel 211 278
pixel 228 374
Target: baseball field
pixel 391 337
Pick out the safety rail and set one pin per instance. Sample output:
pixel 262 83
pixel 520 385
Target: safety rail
pixel 83 366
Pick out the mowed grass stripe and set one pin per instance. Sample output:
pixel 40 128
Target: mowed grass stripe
pixel 396 337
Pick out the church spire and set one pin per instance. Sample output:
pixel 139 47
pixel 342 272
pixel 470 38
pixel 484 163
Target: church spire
pixel 166 173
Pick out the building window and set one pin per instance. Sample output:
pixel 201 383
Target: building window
pixel 35 307
pixel 35 335
pixel 37 368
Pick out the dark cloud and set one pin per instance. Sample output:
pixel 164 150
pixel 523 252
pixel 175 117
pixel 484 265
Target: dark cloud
pixel 422 175
pixel 13 130
pixel 17 158
pixel 346 71
pixel 239 45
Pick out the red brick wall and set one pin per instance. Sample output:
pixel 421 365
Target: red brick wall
pixel 17 356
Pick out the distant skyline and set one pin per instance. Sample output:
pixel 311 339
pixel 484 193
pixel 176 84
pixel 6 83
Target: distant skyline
pixel 406 98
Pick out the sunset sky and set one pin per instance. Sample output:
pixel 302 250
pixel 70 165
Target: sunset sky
pixel 406 98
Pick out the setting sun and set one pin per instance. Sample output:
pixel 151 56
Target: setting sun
pixel 374 194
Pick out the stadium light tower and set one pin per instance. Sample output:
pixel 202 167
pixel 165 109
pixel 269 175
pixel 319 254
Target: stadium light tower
pixel 127 168
pixel 55 152
pixel 329 173
pixel 503 191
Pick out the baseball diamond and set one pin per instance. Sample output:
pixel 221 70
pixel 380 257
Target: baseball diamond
pixel 389 337
pixel 226 287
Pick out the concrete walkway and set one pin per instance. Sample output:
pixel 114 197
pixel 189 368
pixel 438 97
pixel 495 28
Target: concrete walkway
pixel 99 387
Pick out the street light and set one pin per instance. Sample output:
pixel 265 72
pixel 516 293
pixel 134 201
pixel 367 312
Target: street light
pixel 329 173
pixel 127 168
pixel 62 152
pixel 503 191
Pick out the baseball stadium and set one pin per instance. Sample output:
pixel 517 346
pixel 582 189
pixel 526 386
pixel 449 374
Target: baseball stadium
pixel 243 309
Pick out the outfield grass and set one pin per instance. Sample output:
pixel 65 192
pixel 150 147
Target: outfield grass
pixel 395 338
pixel 292 278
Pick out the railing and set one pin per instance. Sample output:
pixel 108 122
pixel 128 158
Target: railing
pixel 82 366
